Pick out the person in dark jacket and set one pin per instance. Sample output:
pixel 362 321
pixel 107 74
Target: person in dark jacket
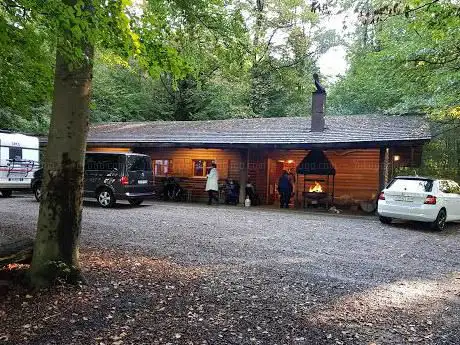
pixel 232 192
pixel 251 193
pixel 284 189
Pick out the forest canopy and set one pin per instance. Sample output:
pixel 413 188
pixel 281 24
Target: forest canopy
pixel 232 59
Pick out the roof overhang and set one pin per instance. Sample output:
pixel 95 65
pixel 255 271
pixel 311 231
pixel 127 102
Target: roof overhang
pixel 278 146
pixel 341 132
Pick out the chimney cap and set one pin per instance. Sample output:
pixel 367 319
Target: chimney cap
pixel 319 87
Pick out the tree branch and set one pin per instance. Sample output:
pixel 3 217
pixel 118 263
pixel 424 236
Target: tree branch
pixel 371 18
pixel 10 5
pixel 272 36
pixel 208 75
pixel 171 94
pixel 435 135
pixel 434 62
pixel 213 30
pixel 421 6
pixel 291 64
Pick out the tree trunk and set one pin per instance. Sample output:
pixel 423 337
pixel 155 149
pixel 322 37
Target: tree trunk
pixel 56 245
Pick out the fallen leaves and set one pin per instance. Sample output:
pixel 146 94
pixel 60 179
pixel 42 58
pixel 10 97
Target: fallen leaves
pixel 134 299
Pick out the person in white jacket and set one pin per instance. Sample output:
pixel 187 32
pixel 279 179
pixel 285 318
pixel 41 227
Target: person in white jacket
pixel 212 184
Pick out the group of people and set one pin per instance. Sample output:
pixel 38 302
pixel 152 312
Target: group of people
pixel 232 189
pixel 285 188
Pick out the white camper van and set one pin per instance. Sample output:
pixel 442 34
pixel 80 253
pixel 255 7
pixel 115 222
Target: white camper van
pixel 19 159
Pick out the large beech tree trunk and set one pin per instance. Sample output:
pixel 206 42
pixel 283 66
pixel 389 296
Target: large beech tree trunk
pixel 56 251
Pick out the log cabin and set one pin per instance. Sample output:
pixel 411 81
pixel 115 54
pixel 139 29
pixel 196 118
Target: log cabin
pixel 349 157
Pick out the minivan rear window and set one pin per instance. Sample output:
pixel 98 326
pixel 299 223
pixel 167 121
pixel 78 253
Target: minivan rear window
pixel 139 163
pixel 100 161
pixel 411 185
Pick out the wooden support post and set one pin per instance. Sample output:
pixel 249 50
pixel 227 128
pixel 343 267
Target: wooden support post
pixel 382 169
pixel 243 174
pixel 387 165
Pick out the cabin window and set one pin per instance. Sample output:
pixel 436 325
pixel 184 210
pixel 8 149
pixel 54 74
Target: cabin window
pixel 201 167
pixel 16 153
pixel 162 167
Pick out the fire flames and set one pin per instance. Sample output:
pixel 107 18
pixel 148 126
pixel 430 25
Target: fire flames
pixel 316 188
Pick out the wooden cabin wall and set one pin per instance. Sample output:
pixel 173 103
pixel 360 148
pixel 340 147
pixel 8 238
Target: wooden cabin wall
pixel 228 165
pixel 357 176
pixel 357 172
pixel 257 172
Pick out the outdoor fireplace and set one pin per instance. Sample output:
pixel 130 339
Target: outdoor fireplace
pixel 318 179
pixel 315 190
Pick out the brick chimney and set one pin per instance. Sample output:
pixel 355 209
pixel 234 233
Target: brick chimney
pixel 318 103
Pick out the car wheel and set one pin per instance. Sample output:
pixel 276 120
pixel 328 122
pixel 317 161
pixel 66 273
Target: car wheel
pixel 440 223
pixel 105 198
pixel 38 192
pixel 385 220
pixel 135 202
pixel 7 193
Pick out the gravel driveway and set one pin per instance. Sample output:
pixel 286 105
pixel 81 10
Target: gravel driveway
pixel 280 276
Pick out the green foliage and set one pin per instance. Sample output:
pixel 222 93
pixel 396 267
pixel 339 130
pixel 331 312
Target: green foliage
pixel 187 45
pixel 441 157
pixel 216 75
pixel 404 64
pixel 407 61
pixel 60 273
pixel 123 92
pixel 221 98
pixel 37 123
pixel 26 69
pixel 282 43
pixel 200 60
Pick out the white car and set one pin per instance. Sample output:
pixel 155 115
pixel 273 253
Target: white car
pixel 420 199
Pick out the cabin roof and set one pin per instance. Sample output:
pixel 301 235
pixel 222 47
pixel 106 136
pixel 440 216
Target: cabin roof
pixel 293 131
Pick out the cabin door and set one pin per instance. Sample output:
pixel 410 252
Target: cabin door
pixel 274 172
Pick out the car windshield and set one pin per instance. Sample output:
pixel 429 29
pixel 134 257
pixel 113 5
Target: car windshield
pixel 411 185
pixel 139 163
